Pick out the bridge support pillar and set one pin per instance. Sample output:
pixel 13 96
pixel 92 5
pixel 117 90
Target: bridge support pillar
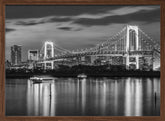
pixel 52 65
pixel 45 66
pixel 128 37
pixel 127 62
pixel 137 62
pixel 46 48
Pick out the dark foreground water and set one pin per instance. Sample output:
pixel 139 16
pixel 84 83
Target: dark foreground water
pixel 86 97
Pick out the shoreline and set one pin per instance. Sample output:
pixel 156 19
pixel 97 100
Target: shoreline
pixel 108 74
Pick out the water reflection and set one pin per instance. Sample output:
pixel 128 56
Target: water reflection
pixel 133 97
pixel 84 97
pixel 41 98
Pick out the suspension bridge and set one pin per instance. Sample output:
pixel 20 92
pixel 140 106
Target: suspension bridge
pixel 130 47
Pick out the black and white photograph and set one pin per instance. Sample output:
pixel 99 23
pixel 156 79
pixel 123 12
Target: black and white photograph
pixel 82 60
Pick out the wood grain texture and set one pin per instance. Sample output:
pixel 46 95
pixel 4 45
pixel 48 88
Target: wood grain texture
pixel 94 2
pixel 1 29
pixel 79 2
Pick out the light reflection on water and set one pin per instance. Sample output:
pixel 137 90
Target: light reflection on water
pixel 41 99
pixel 84 97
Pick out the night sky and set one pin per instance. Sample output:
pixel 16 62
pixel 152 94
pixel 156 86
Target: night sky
pixel 74 27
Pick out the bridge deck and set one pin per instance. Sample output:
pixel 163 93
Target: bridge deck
pixel 101 53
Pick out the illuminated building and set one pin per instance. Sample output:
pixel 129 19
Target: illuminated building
pixel 16 56
pixel 33 55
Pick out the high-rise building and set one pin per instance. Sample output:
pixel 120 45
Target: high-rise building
pixel 16 56
pixel 33 55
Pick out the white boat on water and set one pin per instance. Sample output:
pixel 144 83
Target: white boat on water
pixel 82 76
pixel 36 79
pixel 41 79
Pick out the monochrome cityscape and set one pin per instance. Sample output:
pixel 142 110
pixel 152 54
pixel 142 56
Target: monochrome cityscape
pixel 131 48
pixel 61 74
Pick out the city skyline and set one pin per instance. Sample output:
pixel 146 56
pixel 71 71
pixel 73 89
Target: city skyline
pixel 75 26
pixel 82 60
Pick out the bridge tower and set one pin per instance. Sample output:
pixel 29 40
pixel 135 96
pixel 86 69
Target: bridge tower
pixel 132 44
pixel 48 49
pixel 48 53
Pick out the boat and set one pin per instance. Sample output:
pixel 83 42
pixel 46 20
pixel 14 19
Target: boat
pixel 36 79
pixel 41 79
pixel 82 76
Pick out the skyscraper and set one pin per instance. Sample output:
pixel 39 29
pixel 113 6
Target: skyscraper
pixel 16 54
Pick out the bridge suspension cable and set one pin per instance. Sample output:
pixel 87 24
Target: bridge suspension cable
pixel 61 49
pixel 155 44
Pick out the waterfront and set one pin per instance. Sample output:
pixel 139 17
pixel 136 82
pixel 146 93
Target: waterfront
pixel 81 60
pixel 127 96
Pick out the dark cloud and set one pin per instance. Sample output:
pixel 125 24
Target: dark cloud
pixel 141 16
pixel 37 11
pixel 9 30
pixel 70 28
pixel 29 23
pixel 65 28
pixel 35 22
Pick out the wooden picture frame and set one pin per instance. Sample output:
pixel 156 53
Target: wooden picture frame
pixel 3 3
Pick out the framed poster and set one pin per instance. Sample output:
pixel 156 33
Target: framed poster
pixel 82 60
